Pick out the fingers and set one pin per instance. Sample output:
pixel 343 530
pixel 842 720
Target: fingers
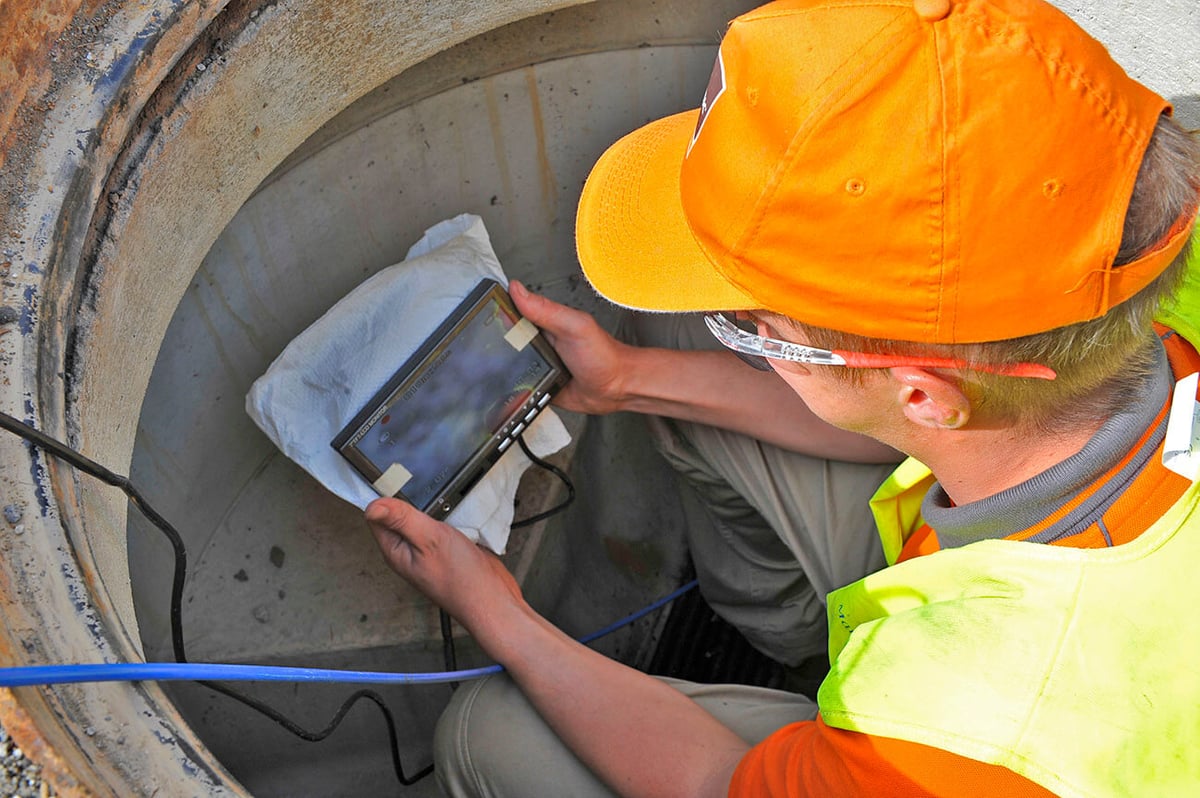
pixel 388 513
pixel 387 526
pixel 396 524
pixel 552 317
pixel 399 522
pixel 440 561
pixel 526 301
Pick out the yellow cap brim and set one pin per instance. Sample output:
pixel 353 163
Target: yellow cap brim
pixel 633 240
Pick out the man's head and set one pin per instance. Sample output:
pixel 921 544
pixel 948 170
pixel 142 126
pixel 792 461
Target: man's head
pixel 1100 363
pixel 928 174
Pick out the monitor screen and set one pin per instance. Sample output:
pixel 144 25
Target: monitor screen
pixel 473 385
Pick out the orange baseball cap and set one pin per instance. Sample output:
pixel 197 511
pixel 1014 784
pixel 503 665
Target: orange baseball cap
pixel 942 171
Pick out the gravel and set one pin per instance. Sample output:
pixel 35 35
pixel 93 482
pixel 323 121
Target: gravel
pixel 19 777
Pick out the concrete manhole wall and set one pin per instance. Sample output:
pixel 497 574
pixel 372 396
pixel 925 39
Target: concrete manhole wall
pixel 152 124
pixel 130 135
pixel 136 134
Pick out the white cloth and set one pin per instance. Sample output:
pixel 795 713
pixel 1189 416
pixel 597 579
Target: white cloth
pixel 326 374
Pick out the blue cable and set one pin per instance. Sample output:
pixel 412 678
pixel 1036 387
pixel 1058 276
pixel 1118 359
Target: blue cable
pixel 202 671
pixel 628 619
pixel 212 675
pixel 205 671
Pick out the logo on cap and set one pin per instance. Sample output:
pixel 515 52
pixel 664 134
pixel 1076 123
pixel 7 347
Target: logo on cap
pixel 716 87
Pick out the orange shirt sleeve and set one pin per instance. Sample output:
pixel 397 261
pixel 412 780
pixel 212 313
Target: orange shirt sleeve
pixel 812 760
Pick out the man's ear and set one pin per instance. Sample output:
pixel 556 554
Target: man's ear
pixel 929 399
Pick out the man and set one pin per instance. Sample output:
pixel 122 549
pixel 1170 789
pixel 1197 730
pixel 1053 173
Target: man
pixel 951 223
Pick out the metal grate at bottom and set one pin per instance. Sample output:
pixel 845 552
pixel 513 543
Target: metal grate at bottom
pixel 697 645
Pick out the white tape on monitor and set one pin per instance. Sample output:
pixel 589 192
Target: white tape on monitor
pixel 521 334
pixel 395 478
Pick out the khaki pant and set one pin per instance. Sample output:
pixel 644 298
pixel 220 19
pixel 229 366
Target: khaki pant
pixel 781 530
pixel 491 743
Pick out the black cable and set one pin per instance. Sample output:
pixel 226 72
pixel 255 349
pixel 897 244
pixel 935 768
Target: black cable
pixel 450 660
pixel 448 654
pixel 64 452
pixel 316 737
pixel 449 657
pixel 556 471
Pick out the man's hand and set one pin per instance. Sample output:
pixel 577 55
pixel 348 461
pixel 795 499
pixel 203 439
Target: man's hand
pixel 597 361
pixel 637 733
pixel 469 583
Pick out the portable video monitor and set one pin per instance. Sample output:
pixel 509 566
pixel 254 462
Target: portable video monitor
pixel 456 405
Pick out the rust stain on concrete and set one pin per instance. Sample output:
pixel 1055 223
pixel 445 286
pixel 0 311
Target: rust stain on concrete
pixel 545 173
pixel 29 33
pixel 41 42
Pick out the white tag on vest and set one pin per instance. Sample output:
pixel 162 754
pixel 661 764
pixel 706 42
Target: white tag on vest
pixel 1181 449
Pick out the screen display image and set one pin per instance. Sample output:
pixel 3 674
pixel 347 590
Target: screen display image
pixel 467 390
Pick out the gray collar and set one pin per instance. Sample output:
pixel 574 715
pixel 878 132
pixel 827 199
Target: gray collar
pixel 1031 502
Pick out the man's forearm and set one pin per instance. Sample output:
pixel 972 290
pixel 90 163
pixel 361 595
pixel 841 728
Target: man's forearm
pixel 715 388
pixel 706 386
pixel 638 734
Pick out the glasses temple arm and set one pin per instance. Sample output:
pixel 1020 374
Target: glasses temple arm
pixel 866 361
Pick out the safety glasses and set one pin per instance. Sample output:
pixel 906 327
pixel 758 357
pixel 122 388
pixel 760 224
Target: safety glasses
pixel 756 349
